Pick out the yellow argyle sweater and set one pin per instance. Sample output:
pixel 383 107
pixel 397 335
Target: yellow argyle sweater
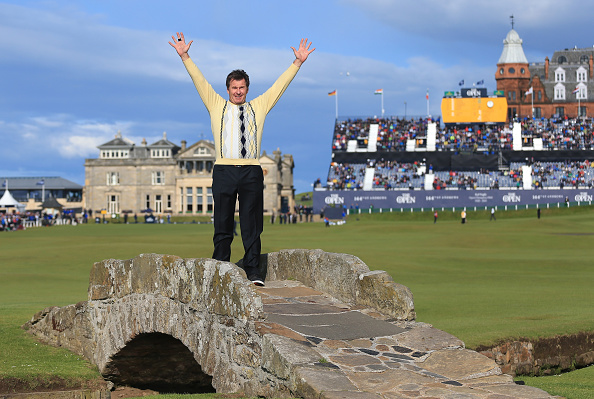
pixel 237 129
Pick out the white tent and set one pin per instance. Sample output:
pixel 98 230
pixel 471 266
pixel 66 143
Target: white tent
pixel 8 201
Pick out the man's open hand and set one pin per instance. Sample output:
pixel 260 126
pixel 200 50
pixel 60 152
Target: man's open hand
pixel 303 52
pixel 180 45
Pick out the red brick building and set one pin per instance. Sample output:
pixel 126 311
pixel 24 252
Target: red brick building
pixel 561 86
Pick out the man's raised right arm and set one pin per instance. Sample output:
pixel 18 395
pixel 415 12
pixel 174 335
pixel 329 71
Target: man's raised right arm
pixel 209 97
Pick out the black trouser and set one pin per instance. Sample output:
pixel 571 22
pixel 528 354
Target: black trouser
pixel 247 183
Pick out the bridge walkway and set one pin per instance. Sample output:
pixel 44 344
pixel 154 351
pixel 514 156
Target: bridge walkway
pixel 340 351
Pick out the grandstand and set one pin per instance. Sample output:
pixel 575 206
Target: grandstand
pixel 419 162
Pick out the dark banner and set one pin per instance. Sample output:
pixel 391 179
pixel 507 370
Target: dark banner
pixel 474 162
pixel 473 92
pixel 445 198
pixel 450 160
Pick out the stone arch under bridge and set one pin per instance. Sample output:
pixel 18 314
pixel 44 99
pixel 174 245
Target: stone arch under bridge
pixel 197 325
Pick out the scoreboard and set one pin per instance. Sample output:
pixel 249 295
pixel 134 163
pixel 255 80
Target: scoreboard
pixel 474 109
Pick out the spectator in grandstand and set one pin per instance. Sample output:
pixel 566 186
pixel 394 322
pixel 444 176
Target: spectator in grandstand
pixel 237 173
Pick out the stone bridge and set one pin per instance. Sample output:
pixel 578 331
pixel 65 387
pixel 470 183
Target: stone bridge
pixel 324 326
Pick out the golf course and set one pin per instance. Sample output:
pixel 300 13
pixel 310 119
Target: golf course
pixel 483 281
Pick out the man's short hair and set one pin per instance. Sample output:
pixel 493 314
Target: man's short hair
pixel 238 74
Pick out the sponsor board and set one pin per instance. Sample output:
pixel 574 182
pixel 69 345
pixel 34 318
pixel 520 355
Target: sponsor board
pixel 445 198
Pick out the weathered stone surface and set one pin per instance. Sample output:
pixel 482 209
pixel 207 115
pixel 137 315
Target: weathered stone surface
pixel 345 277
pixel 460 364
pixel 427 338
pixel 378 290
pixel 388 380
pixel 543 356
pixel 342 326
pixel 314 382
pixel 280 355
pixel 354 360
pixel 585 359
pixel 348 395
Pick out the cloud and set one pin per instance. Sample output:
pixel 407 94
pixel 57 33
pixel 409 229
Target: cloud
pixel 474 21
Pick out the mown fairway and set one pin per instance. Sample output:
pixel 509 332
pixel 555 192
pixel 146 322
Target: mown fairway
pixel 482 281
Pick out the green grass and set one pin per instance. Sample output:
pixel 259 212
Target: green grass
pixel 482 282
pixel 578 384
pixel 485 281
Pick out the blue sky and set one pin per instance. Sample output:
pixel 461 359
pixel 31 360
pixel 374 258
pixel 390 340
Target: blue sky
pixel 74 73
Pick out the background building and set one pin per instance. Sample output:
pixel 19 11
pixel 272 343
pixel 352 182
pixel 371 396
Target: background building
pixel 166 178
pixel 33 191
pixel 558 87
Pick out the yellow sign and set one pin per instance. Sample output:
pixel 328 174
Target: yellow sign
pixel 474 110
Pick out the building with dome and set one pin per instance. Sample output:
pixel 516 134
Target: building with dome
pixel 165 178
pixel 561 86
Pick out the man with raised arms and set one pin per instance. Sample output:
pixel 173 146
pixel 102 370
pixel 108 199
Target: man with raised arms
pixel 237 126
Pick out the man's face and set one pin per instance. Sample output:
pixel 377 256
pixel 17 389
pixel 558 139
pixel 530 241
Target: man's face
pixel 237 91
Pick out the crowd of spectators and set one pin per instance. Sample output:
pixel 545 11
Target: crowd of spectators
pixel 391 175
pixel 10 222
pixel 346 176
pixel 393 134
pixel 453 179
pixel 561 133
pixel 562 174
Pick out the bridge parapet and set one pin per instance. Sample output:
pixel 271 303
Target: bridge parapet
pixel 343 276
pixel 202 284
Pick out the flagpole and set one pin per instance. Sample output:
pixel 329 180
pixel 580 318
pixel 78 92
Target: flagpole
pixel 336 102
pixel 427 102
pixel 382 104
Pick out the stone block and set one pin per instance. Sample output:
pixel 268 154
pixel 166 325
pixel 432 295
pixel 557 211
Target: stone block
pixel 585 359
pixel 378 290
pixel 281 355
pixel 316 382
pixel 459 364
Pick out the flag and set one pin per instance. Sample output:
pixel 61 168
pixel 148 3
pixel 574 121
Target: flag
pixel 41 182
pixel 576 90
pixel 332 93
pixel 528 92
pixel 427 96
pixel 380 91
pixel 461 83
pixel 4 183
pixel 480 82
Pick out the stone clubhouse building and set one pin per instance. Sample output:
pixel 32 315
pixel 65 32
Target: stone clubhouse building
pixel 164 178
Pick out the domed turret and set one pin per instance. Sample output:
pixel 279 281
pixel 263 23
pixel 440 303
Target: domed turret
pixel 513 53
